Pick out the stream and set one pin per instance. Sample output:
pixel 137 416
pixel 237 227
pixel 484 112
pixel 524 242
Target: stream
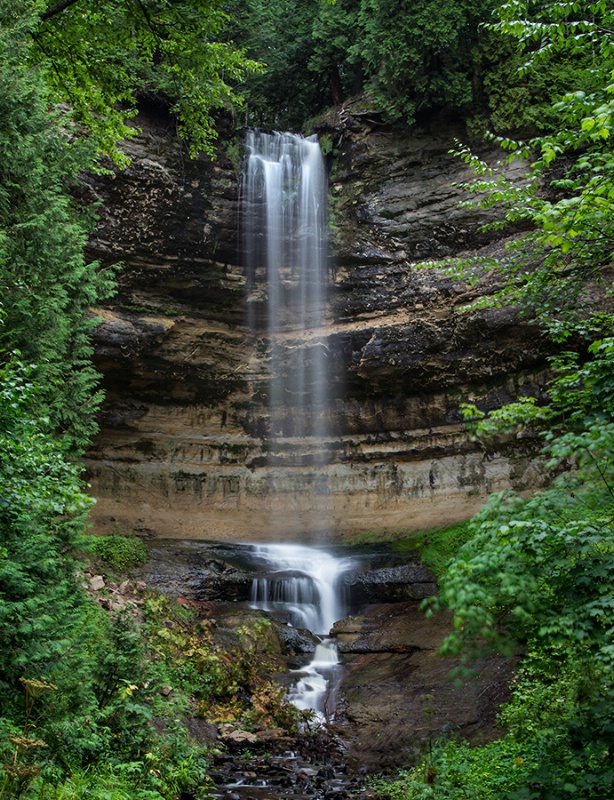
pixel 301 587
pixel 376 686
pixel 314 770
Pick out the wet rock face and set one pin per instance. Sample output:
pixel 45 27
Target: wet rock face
pixel 184 448
pixel 390 584
pixel 214 571
pixel 200 571
pixel 397 694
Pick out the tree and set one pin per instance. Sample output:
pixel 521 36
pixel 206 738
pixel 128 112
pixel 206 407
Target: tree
pixel 419 56
pixel 538 576
pixel 101 56
pixel 335 31
pixel 278 34
pixel 568 198
pixel 411 58
pixel 46 286
pixel 42 508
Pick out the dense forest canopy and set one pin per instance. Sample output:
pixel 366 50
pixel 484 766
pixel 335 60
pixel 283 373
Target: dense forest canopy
pixel 538 576
pixel 409 61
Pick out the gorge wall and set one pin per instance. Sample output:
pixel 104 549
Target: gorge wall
pixel 183 449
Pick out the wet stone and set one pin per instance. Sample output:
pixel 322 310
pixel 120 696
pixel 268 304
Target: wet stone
pixel 313 768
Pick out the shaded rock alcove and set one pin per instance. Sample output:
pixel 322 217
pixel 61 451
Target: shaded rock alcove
pixel 183 451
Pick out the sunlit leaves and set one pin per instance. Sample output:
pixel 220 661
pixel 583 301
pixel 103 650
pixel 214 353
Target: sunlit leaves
pixel 99 57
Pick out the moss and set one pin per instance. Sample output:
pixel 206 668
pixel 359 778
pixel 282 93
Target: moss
pixel 326 144
pixel 437 545
pixel 120 552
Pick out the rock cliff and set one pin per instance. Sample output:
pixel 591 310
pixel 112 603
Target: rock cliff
pixel 183 449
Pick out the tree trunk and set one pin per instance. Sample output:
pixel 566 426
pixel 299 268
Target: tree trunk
pixel 335 84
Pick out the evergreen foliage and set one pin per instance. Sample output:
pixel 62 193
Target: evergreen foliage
pixel 46 285
pixel 278 33
pixel 41 517
pixel 77 686
pixel 408 60
pixel 419 55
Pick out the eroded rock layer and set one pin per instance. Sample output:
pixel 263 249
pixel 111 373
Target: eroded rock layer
pixel 185 448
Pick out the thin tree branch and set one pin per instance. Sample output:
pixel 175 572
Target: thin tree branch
pixel 57 9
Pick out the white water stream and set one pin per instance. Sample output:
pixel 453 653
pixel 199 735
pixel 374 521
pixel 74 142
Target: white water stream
pixel 285 206
pixel 304 583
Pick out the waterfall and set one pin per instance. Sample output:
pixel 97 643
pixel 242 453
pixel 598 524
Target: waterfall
pixel 285 241
pixel 304 584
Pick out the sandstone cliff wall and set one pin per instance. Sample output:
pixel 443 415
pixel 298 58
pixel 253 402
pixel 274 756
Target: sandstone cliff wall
pixel 183 449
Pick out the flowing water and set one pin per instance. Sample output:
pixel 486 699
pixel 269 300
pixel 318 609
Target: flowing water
pixel 305 585
pixel 286 245
pixel 303 582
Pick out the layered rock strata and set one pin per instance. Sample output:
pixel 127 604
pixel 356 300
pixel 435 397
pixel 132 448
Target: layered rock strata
pixel 397 694
pixel 185 448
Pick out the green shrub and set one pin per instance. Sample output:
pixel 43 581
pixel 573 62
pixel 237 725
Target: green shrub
pixel 120 552
pixel 456 771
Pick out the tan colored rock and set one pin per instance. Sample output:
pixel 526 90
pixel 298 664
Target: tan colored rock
pixel 184 449
pixel 96 583
pixel 241 737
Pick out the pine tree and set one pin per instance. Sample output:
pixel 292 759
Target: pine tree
pixel 46 285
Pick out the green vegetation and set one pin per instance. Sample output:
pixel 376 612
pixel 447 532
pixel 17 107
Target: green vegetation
pixel 79 686
pixel 100 57
pixel 537 577
pixel 436 546
pixel 404 59
pixel 120 552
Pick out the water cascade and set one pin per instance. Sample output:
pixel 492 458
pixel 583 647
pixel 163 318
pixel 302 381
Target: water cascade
pixel 285 224
pixel 304 584
pixel 285 241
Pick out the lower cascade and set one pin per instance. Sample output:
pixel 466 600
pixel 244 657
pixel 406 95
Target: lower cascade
pixel 304 584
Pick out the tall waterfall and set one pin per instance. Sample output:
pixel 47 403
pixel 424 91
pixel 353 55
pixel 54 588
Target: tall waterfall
pixel 285 224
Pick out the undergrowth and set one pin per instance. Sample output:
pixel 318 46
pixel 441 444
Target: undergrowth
pixel 112 725
pixel 121 552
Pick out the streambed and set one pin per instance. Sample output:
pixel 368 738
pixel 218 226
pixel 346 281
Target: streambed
pixel 394 693
pixel 312 767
